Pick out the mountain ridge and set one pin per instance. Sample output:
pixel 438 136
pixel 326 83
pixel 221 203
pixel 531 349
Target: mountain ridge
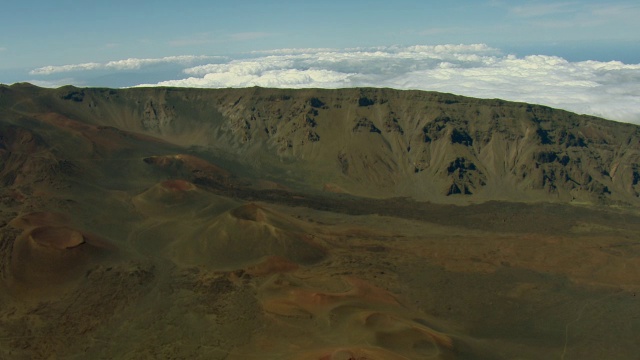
pixel 378 142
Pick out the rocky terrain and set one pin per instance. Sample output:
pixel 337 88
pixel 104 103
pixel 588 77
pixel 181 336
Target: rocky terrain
pixel 313 224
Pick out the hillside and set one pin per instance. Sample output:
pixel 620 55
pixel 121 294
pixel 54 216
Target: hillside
pixel 313 224
pixel 377 143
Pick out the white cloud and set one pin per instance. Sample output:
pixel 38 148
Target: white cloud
pixel 244 36
pixel 294 51
pixel 3 48
pixel 47 70
pixel 246 67
pixel 133 63
pixel 212 38
pixel 126 64
pixel 624 10
pixel 543 9
pixel 288 78
pixel 571 15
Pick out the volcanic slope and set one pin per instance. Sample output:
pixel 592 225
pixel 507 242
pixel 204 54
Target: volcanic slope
pixel 374 142
pixel 313 224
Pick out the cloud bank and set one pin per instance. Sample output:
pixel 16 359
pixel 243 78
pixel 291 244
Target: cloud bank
pixel 607 89
pixel 121 65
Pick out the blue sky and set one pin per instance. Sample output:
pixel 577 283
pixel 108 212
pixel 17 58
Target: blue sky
pixel 248 42
pixel 39 33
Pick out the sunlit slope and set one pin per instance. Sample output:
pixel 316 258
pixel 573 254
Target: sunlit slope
pixel 374 142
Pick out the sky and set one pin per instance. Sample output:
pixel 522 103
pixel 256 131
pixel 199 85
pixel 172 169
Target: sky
pixel 583 56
